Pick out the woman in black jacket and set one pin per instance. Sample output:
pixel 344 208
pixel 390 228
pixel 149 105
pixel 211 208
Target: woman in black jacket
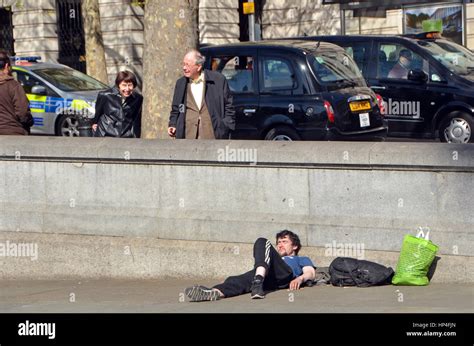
pixel 118 111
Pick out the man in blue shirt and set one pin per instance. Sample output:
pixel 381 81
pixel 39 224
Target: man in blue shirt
pixel 274 269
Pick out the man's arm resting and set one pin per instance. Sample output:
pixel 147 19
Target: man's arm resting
pixel 308 274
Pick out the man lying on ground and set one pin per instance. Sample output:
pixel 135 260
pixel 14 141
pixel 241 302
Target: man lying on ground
pixel 273 269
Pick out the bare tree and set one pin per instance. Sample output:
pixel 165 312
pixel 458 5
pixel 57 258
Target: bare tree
pixel 171 29
pixel 95 53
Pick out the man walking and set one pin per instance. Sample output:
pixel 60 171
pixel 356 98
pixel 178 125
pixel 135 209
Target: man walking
pixel 15 116
pixel 274 269
pixel 202 103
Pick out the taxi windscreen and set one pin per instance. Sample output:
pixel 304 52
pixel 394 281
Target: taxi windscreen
pixel 456 58
pixel 336 70
pixel 70 80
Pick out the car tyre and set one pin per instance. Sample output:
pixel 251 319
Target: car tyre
pixel 66 126
pixel 282 133
pixel 457 127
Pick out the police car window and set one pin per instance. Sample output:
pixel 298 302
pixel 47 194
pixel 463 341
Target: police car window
pixel 27 81
pixel 278 74
pixel 68 79
pixel 238 70
pixel 395 60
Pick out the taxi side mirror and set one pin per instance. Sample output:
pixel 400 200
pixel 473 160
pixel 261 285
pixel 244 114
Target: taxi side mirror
pixel 417 75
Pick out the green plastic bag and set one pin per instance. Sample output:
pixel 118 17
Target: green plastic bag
pixel 415 259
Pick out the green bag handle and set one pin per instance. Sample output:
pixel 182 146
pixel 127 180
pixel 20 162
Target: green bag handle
pixel 421 233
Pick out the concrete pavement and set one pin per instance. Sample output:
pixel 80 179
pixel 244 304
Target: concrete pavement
pixel 166 296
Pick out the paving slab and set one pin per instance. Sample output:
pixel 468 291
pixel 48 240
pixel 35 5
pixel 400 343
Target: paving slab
pixel 167 296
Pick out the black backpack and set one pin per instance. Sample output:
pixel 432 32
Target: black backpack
pixel 347 271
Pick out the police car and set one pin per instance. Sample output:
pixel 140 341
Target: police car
pixel 57 94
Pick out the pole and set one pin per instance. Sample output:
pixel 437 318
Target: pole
pixel 251 25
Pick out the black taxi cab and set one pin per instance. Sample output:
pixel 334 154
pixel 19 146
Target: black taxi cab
pixel 426 81
pixel 297 90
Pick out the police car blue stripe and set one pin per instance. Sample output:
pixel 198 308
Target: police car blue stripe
pixel 56 104
pixel 38 121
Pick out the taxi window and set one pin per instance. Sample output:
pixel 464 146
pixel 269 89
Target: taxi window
pixel 454 57
pixel 358 53
pixel 278 74
pixel 336 70
pixel 396 60
pixel 238 70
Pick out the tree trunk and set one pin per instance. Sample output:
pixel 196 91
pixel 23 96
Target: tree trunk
pixel 171 29
pixel 95 53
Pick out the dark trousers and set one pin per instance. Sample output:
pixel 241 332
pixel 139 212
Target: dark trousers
pixel 278 273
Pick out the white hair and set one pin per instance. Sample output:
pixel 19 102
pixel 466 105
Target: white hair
pixel 200 59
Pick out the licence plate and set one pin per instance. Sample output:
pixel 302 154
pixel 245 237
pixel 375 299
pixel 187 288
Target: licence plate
pixel 359 106
pixel 364 119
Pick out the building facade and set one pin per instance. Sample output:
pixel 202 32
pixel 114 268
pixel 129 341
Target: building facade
pixel 53 28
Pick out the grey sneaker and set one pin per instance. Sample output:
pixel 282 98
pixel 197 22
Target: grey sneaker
pixel 257 291
pixel 201 294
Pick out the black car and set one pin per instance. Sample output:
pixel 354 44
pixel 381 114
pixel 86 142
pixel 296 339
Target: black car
pixel 427 82
pixel 292 90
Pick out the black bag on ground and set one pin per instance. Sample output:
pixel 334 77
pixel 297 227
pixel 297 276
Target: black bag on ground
pixel 347 271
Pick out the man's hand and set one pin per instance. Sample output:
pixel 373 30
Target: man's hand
pixel 296 283
pixel 172 131
pixel 94 127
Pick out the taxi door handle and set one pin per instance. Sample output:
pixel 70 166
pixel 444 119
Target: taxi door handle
pixel 248 112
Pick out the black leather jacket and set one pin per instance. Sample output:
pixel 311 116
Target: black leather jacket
pixel 117 119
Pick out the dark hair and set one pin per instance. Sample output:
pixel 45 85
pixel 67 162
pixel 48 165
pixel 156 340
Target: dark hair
pixel 295 240
pixel 4 59
pixel 126 76
pixel 406 53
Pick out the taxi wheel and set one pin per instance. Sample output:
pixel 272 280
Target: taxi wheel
pixel 66 126
pixel 282 133
pixel 457 127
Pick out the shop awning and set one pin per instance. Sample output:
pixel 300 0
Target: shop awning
pixel 357 5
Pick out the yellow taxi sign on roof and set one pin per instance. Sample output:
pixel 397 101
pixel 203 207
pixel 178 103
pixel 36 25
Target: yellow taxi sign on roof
pixel 249 7
pixel 434 34
pixel 431 35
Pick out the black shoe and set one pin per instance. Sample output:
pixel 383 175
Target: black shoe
pixel 201 294
pixel 257 291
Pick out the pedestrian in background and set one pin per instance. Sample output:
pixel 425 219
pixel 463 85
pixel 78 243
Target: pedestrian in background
pixel 202 103
pixel 118 111
pixel 15 116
